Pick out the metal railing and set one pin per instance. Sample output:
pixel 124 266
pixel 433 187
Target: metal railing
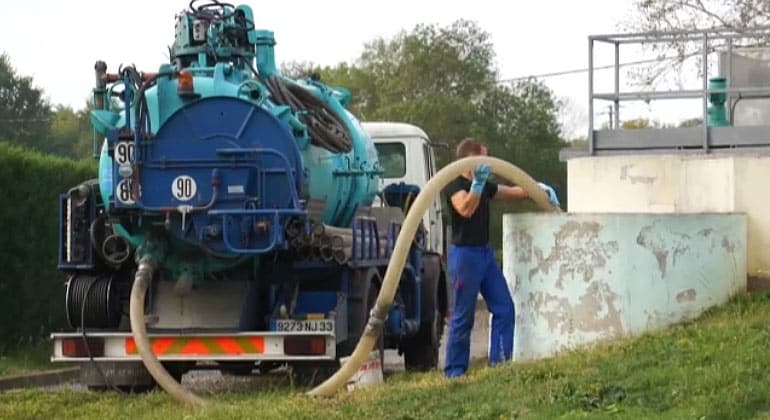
pixel 721 40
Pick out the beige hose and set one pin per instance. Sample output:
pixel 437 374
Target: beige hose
pixel 156 369
pixel 384 300
pixel 403 243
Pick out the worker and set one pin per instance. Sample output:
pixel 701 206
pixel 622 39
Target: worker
pixel 472 264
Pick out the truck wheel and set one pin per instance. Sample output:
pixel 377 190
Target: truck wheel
pixel 421 351
pixel 362 295
pixel 363 291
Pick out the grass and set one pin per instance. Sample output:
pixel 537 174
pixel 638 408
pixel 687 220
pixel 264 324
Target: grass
pixel 714 368
pixel 32 359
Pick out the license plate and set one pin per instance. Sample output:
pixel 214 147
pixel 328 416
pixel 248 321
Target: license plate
pixel 305 326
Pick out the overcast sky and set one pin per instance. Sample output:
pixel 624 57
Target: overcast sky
pixel 57 42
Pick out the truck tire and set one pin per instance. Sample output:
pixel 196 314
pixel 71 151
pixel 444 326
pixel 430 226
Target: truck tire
pixel 421 351
pixel 363 291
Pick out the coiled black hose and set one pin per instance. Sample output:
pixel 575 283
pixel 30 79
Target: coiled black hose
pixel 92 302
pixel 326 128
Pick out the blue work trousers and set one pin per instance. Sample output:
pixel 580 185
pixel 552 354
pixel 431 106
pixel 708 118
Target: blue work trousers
pixel 473 269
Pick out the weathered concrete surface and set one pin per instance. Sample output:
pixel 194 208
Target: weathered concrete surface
pixel 678 183
pixel 580 278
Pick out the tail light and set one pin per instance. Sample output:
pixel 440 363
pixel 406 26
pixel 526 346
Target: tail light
pixel 77 347
pixel 305 346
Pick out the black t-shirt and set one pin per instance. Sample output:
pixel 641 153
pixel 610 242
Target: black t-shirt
pixel 472 230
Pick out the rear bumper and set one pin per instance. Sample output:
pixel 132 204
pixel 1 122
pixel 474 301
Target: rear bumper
pixel 252 346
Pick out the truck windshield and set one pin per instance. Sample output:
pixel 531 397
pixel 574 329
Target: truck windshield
pixel 392 158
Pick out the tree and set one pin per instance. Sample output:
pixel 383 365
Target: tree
pixel 443 79
pixel 24 113
pixel 70 133
pixel 674 15
pixel 666 15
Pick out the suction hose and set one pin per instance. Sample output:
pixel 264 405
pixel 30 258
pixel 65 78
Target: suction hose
pixel 143 275
pixel 384 300
pixel 403 243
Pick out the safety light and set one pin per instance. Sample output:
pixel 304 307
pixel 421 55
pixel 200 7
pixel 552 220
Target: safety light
pixel 304 345
pixel 76 347
pixel 185 84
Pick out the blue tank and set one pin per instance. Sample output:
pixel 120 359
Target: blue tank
pixel 218 151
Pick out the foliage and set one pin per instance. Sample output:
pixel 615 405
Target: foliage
pixel 24 113
pixel 666 15
pixel 443 79
pixel 678 57
pixel 31 288
pixel 713 368
pixel 70 133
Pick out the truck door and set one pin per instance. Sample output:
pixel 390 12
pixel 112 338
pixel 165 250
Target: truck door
pixel 434 223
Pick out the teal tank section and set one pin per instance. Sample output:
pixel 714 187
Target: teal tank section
pixel 342 179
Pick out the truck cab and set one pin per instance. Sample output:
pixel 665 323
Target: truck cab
pixel 406 155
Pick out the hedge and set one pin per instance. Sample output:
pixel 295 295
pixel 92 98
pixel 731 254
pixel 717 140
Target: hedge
pixel 31 287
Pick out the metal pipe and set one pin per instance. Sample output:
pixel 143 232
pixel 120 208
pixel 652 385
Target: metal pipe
pixel 340 256
pixel 728 79
pixel 705 95
pixel 617 85
pixel 681 94
pixel 322 229
pixel 591 139
pixel 695 35
pixel 327 253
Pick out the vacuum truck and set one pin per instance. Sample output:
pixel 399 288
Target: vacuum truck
pixel 268 209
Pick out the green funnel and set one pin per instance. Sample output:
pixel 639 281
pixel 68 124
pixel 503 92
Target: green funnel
pixel 717 112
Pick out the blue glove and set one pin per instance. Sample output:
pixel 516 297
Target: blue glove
pixel 480 175
pixel 551 193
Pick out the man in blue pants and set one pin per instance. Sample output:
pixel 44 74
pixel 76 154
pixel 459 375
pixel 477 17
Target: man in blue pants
pixel 472 264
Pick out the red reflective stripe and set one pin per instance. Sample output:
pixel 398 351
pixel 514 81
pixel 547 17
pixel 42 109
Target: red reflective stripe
pixel 229 346
pixel 159 345
pixel 192 345
pixel 259 343
pixel 130 345
pixel 195 346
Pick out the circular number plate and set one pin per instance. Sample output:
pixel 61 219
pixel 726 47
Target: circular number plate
pixel 123 191
pixel 124 152
pixel 184 188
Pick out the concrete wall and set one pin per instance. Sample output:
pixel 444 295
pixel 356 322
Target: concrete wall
pixel 580 278
pixel 678 184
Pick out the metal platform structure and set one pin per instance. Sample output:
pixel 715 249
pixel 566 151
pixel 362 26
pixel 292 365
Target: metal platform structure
pixel 748 80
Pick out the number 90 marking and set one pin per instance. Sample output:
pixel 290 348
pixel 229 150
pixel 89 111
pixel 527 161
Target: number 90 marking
pixel 124 152
pixel 184 188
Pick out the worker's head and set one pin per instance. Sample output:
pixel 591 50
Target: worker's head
pixel 470 147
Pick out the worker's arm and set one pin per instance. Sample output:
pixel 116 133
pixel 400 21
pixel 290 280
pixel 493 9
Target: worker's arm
pixel 507 193
pixel 465 203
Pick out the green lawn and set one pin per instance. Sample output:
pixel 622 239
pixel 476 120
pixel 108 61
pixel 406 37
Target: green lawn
pixel 717 367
